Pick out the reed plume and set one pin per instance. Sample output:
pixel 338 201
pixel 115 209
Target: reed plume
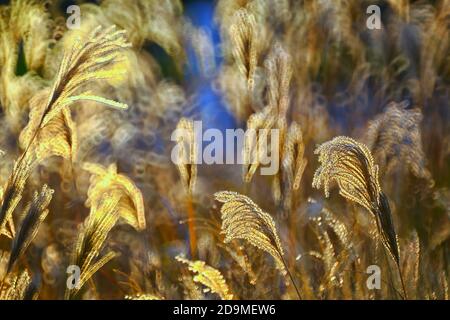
pixel 350 164
pixel 433 22
pixel 273 116
pixel 256 143
pixel 92 235
pixel 288 74
pixel 50 127
pixel 209 277
pixel 110 196
pixel 279 73
pixel 244 37
pixel 57 138
pixel 243 219
pixel 130 203
pixel 92 58
pixel 156 21
pixel 395 140
pixel 241 258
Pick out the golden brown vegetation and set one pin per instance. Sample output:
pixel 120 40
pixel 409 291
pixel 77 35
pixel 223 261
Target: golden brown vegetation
pixel 86 176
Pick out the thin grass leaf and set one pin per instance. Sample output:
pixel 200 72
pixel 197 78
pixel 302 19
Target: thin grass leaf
pixel 107 102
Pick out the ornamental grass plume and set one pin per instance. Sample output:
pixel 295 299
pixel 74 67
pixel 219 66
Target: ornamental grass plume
pixel 243 219
pixel 350 164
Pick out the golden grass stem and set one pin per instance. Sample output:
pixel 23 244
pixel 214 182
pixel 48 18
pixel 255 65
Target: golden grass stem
pixel 191 227
pixel 405 297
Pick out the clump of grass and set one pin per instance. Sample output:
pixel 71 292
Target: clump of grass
pixel 309 69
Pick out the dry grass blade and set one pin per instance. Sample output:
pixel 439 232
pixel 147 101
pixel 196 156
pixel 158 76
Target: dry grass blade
pixel 411 265
pixel 102 218
pixel 351 165
pixel 209 277
pixel 386 228
pixel 35 213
